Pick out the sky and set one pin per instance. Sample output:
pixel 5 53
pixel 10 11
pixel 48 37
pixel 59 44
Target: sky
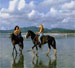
pixel 25 13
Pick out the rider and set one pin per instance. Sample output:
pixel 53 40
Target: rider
pixel 41 29
pixel 17 31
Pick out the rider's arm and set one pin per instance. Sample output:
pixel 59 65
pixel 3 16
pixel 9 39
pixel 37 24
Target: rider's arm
pixel 41 29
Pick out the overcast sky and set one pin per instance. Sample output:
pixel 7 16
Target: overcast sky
pixel 50 13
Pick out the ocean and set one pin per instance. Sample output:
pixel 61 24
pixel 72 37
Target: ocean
pixel 65 58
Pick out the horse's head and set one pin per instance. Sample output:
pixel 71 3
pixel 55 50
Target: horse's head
pixel 29 33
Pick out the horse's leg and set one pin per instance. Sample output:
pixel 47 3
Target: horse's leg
pixel 20 47
pixel 54 47
pixel 33 49
pixel 20 50
pixel 37 51
pixel 21 44
pixel 55 52
pixel 13 46
pixel 15 49
pixel 13 42
pixel 49 47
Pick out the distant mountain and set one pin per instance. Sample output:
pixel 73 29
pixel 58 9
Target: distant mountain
pixel 35 29
pixel 62 30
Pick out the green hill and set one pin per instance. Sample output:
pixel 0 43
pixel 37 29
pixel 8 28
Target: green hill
pixel 61 30
pixel 35 29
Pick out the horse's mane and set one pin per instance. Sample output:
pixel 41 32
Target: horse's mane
pixel 31 32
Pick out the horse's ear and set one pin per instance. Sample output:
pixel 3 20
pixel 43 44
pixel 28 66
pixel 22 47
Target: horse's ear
pixel 29 30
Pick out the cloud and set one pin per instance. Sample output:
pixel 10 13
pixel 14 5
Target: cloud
pixel 12 5
pixel 47 12
pixel 54 26
pixel 3 10
pixel 32 4
pixel 21 4
pixel 65 20
pixel 69 5
pixel 4 15
pixel 2 28
pixel 53 11
pixel 31 13
pixel 50 2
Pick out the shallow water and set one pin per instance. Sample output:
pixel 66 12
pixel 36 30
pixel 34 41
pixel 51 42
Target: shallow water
pixel 65 54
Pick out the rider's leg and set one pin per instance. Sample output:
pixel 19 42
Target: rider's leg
pixel 40 37
pixel 40 40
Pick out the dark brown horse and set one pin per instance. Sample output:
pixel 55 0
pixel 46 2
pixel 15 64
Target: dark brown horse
pixel 44 39
pixel 17 40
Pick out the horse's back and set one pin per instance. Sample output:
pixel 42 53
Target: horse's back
pixel 47 38
pixel 15 38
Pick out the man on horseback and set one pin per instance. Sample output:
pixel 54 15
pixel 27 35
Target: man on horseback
pixel 17 34
pixel 17 31
pixel 17 38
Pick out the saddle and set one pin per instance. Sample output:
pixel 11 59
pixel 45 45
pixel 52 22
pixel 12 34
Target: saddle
pixel 43 39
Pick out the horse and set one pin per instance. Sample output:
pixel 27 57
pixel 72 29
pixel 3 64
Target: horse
pixel 16 40
pixel 44 39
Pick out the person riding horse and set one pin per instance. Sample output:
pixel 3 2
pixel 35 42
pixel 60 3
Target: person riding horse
pixel 41 29
pixel 17 32
pixel 17 38
pixel 47 39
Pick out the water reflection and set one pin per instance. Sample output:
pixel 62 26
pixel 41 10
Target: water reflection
pixel 38 63
pixel 18 62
